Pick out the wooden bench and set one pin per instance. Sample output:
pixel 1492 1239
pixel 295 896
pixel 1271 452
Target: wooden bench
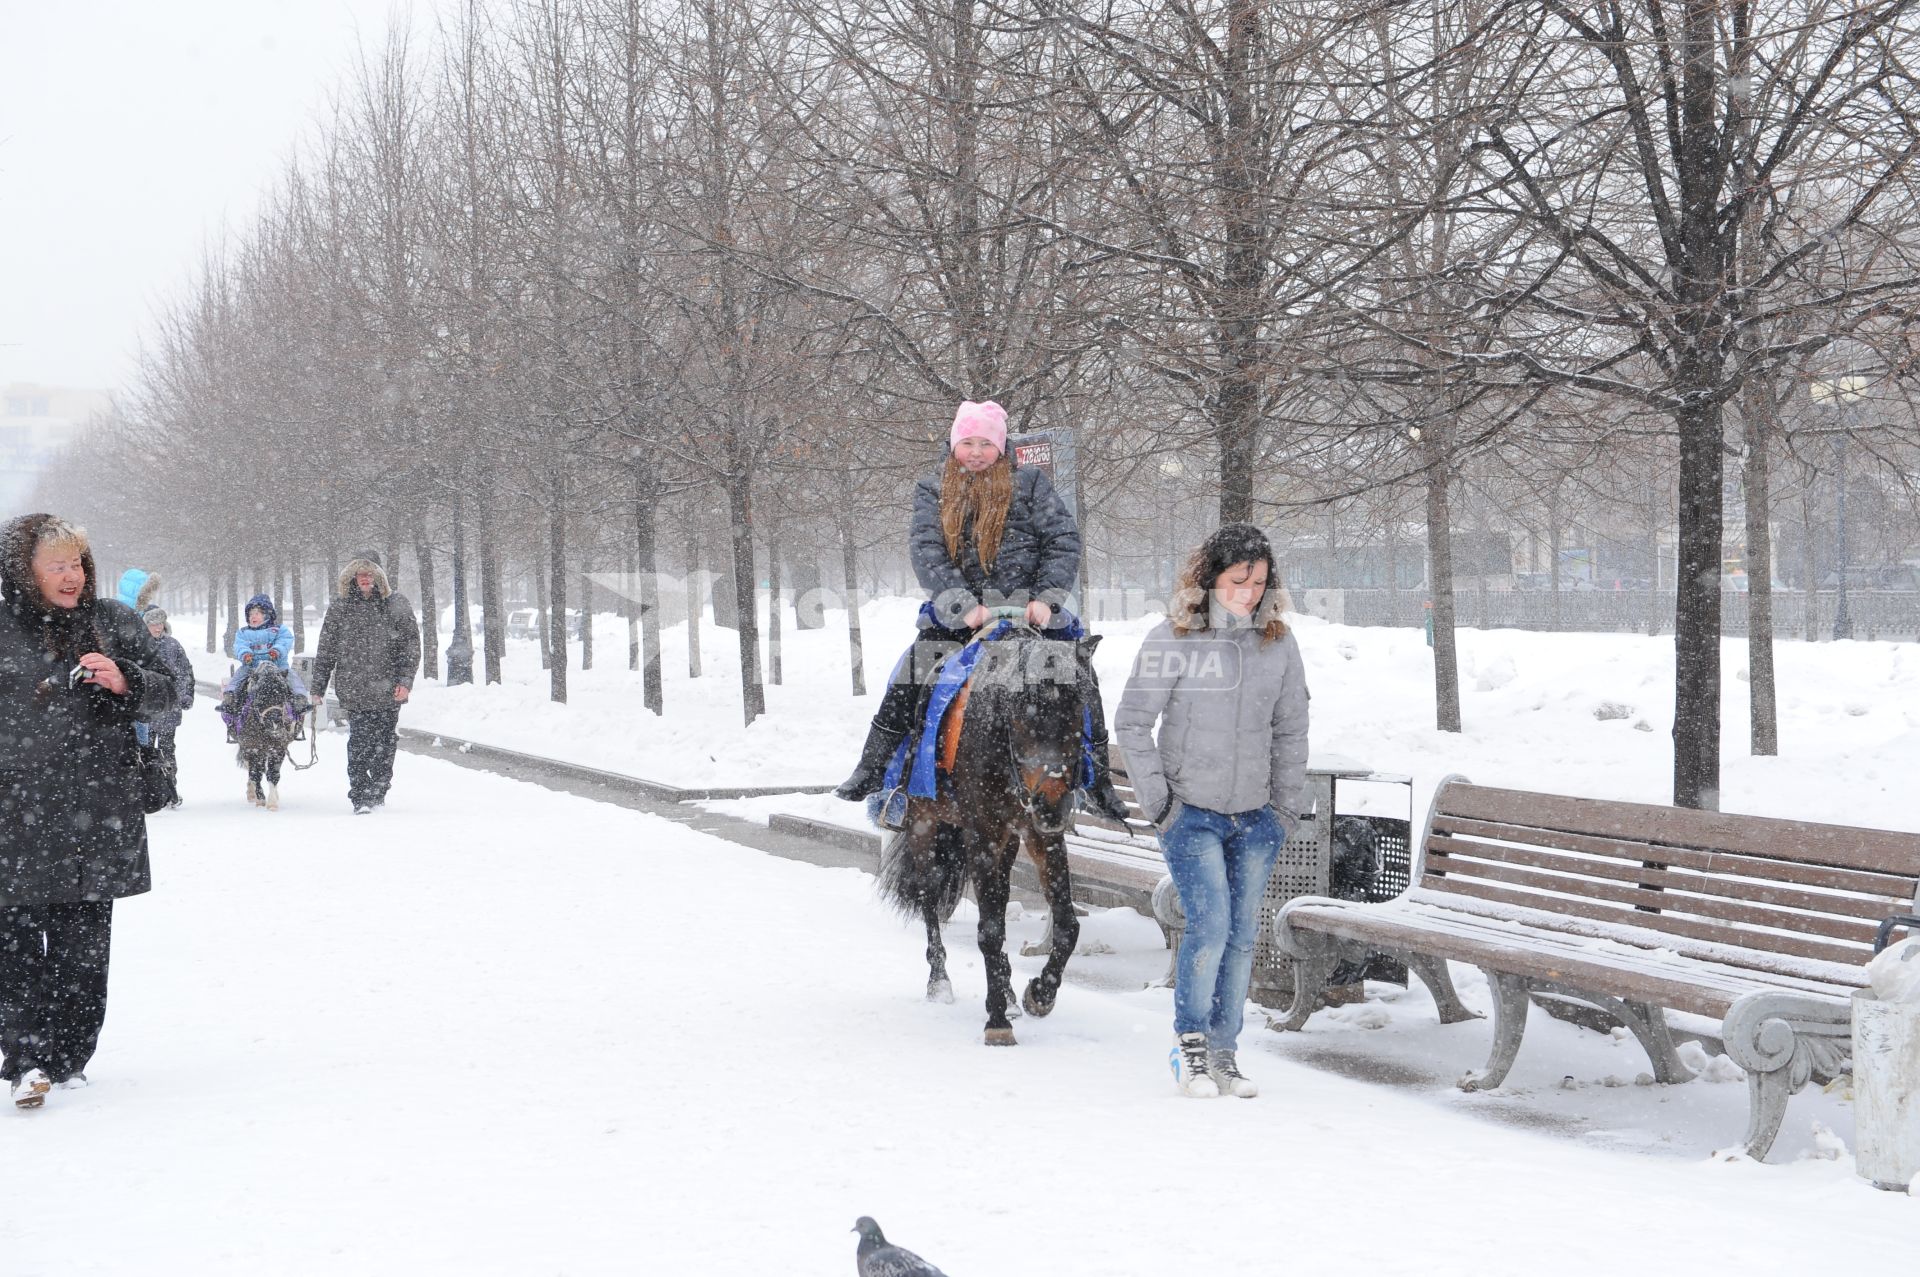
pixel 1764 925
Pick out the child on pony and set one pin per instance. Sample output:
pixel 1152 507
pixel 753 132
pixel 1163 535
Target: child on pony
pixel 260 642
pixel 986 533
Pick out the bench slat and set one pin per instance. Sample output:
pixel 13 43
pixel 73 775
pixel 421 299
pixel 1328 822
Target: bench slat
pixel 1893 886
pixel 1718 933
pixel 1669 903
pixel 1843 846
pixel 1664 978
pixel 1838 917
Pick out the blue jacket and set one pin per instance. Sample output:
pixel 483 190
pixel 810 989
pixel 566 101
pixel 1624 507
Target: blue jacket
pixel 270 641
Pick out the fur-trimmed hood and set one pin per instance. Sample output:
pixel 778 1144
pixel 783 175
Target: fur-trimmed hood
pixel 17 544
pixel 138 588
pixel 364 561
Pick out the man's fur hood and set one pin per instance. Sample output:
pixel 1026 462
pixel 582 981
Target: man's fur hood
pixel 364 561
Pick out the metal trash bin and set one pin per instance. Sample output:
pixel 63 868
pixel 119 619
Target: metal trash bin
pixel 1305 868
pixel 1886 1083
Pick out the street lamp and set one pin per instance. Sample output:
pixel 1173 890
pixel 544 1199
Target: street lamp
pixel 1842 393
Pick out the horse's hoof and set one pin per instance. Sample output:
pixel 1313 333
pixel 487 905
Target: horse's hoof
pixel 1000 1037
pixel 1031 1001
pixel 940 991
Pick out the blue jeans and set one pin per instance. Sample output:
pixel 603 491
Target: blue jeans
pixel 1220 865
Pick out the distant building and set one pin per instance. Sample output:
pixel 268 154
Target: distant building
pixel 36 422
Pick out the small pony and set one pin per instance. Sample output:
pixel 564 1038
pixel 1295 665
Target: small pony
pixel 264 726
pixel 1014 768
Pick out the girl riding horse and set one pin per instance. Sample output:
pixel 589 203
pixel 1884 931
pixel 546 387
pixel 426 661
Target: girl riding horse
pixel 986 534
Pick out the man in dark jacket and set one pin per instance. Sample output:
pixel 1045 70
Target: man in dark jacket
pixel 372 642
pixel 75 671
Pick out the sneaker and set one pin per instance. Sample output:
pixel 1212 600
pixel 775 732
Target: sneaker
pixel 361 809
pixel 1228 1078
pixel 30 1091
pixel 78 1082
pixel 1188 1060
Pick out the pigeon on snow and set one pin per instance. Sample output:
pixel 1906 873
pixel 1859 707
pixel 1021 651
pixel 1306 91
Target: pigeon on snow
pixel 878 1257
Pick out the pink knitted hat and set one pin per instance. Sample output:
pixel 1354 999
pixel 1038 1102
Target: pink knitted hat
pixel 986 420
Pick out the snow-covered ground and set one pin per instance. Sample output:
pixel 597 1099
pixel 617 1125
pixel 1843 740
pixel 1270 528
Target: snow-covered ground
pixel 494 1029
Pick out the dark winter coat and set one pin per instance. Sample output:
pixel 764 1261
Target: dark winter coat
pixel 368 646
pixel 71 828
pixel 181 668
pixel 1039 555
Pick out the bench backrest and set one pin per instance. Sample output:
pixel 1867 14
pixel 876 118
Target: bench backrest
pixel 1784 887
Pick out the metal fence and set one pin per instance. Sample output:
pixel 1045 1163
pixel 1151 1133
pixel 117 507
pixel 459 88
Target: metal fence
pixel 1876 614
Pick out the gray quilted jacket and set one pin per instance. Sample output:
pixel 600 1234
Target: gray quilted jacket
pixel 1232 718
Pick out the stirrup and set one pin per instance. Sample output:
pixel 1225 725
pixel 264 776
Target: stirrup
pixel 888 808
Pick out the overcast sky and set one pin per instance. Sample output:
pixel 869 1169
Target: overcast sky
pixel 131 132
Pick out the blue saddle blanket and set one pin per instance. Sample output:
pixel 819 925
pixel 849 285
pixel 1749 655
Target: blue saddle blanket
pixel 915 758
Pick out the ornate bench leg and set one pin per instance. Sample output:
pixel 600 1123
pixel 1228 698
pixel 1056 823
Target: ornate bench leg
pixel 1782 1040
pixel 1446 1000
pixel 1509 1023
pixel 1649 1024
pixel 1310 976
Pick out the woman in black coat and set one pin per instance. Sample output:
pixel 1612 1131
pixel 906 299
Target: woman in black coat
pixel 75 671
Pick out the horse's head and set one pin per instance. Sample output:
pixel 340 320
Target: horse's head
pixel 1041 694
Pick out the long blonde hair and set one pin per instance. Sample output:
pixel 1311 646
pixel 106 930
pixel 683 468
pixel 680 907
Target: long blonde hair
pixel 983 498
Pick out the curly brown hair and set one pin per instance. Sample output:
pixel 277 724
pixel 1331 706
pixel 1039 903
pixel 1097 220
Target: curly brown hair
pixel 1191 608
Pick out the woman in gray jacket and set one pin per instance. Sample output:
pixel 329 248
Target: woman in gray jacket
pixel 1224 778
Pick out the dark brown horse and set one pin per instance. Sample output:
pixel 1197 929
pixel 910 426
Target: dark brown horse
pixel 264 727
pixel 1015 768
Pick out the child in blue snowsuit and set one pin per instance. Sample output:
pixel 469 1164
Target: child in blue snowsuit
pixel 262 641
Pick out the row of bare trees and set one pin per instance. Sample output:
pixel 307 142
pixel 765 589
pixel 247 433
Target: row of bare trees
pixel 608 286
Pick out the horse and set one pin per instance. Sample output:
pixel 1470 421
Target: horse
pixel 264 726
pixel 1010 786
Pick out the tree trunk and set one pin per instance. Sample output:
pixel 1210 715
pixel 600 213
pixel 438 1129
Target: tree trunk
pixel 1756 476
pixel 557 594
pixel 632 611
pixel 1243 305
pixel 647 578
pixel 493 618
pixel 740 506
pixel 298 606
pixel 850 572
pixel 1446 665
pixel 695 610
pixel 460 642
pixel 1810 569
pixel 1696 613
pixel 545 612
pixel 586 611
pixel 213 613
pixel 429 599
pixel 233 611
pixel 773 602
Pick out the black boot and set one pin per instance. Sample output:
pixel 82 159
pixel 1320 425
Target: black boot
pixel 871 772
pixel 1100 793
pixel 890 725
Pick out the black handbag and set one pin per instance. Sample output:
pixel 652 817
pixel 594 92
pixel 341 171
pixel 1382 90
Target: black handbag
pixel 156 779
